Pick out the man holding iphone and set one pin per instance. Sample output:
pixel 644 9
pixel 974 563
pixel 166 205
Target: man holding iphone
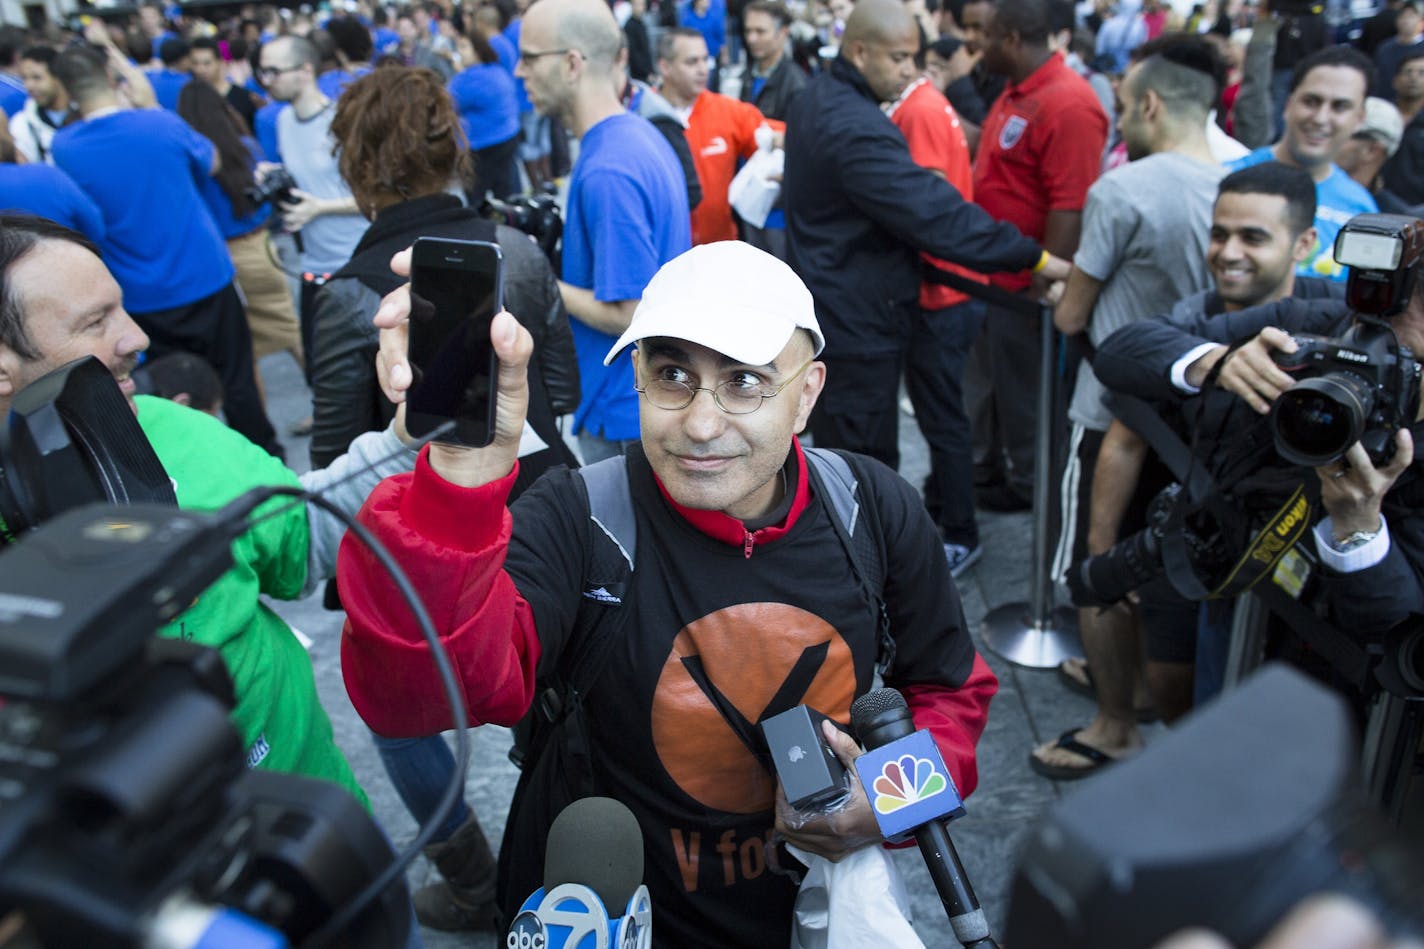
pixel 627 211
pixel 740 601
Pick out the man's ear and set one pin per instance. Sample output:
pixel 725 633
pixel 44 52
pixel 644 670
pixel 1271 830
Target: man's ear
pixel 1304 244
pixel 809 392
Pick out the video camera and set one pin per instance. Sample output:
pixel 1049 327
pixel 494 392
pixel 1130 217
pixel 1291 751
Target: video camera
pixel 127 814
pixel 1361 386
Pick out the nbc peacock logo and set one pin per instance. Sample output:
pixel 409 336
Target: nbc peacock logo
pixel 906 780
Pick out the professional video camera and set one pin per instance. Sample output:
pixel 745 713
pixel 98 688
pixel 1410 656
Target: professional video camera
pixel 535 214
pixel 127 815
pixel 1229 821
pixel 1247 501
pixel 277 186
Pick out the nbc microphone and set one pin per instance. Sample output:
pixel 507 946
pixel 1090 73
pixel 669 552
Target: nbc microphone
pixel 911 791
pixel 593 867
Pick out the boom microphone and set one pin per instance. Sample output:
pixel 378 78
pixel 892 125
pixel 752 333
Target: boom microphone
pixel 593 861
pixel 911 791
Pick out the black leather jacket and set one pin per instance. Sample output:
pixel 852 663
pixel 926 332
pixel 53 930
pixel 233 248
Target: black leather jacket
pixel 346 397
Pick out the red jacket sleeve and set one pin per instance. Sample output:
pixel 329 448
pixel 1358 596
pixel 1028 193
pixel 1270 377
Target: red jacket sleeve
pixel 451 543
pixel 955 717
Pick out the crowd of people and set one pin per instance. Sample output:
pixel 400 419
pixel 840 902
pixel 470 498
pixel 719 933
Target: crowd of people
pixel 202 192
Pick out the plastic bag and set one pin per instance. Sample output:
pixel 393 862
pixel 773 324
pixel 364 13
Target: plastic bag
pixel 752 193
pixel 860 901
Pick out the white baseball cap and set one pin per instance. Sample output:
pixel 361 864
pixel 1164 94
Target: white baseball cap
pixel 729 297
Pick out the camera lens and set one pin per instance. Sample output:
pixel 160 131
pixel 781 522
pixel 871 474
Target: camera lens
pixel 1317 420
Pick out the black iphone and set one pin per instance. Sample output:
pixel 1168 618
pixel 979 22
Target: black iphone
pixel 456 288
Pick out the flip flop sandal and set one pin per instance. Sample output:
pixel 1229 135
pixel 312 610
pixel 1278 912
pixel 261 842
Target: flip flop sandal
pixel 1069 742
pixel 1146 714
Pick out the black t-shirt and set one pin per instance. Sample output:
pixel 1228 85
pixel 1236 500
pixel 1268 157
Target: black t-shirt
pixel 718 642
pixel 246 106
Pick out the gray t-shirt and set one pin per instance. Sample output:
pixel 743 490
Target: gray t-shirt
pixel 329 239
pixel 1145 229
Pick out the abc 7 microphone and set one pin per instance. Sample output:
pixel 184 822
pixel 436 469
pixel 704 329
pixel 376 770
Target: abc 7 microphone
pixel 593 861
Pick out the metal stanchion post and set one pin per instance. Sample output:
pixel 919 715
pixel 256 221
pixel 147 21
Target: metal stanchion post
pixel 1036 634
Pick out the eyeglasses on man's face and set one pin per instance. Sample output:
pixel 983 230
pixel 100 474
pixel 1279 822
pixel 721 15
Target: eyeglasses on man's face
pixel 742 394
pixel 529 55
pixel 268 73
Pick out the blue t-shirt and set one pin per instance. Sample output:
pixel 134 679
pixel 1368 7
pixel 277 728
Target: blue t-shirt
pixel 167 83
pixel 712 25
pixel 626 216
pixel 12 94
pixel 1337 199
pixel 142 168
pixel 334 83
pixel 45 190
pixel 489 110
pixel 505 50
pixel 385 40
pixel 266 129
pixel 160 38
pixel 511 33
pixel 229 224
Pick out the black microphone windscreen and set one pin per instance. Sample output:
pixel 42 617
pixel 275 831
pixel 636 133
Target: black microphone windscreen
pixel 596 842
pixel 872 704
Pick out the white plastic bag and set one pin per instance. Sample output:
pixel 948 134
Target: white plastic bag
pixel 858 902
pixel 753 194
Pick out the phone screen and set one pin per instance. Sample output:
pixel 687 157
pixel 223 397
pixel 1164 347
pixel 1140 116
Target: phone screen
pixel 456 288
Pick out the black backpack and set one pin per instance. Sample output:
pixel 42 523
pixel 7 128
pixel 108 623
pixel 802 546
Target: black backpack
pixel 552 745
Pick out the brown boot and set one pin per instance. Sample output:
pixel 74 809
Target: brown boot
pixel 464 900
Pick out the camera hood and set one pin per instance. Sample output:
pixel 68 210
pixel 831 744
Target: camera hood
pixel 71 439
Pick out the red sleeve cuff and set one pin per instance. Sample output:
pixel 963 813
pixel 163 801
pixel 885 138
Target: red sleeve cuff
pixel 448 515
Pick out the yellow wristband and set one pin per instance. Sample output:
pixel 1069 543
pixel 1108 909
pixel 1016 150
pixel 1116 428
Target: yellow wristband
pixel 1042 261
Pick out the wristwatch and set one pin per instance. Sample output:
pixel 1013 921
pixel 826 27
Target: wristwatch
pixel 1352 541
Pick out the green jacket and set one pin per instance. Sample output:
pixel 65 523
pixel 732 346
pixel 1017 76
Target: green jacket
pixel 282 723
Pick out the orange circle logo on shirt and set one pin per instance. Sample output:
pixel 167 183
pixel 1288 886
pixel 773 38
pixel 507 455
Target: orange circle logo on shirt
pixel 740 665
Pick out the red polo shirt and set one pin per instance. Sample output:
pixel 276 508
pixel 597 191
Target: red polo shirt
pixel 931 128
pixel 1040 149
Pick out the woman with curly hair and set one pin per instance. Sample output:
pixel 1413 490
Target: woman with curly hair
pixel 402 152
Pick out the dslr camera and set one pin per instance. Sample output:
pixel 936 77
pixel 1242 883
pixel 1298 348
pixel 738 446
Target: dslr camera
pixel 276 186
pixel 1364 385
pixel 535 214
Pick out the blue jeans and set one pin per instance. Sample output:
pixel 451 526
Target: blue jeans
pixel 421 769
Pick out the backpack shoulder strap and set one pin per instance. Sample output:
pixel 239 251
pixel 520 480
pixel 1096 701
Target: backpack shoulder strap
pixel 610 510
pixel 857 524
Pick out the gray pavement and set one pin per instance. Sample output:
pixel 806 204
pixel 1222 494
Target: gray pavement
pixel 1030 708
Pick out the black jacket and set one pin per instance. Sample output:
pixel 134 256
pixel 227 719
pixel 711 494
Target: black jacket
pixel 858 210
pixel 1137 359
pixel 781 89
pixel 346 398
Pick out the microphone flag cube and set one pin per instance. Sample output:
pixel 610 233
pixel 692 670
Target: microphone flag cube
pixel 908 784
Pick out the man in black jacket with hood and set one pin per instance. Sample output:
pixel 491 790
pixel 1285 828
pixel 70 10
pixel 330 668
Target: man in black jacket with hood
pixel 858 212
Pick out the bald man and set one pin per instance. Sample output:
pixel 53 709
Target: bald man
pixel 858 211
pixel 627 211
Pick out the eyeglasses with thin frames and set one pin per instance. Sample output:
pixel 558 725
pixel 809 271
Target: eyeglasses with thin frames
pixel 731 398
